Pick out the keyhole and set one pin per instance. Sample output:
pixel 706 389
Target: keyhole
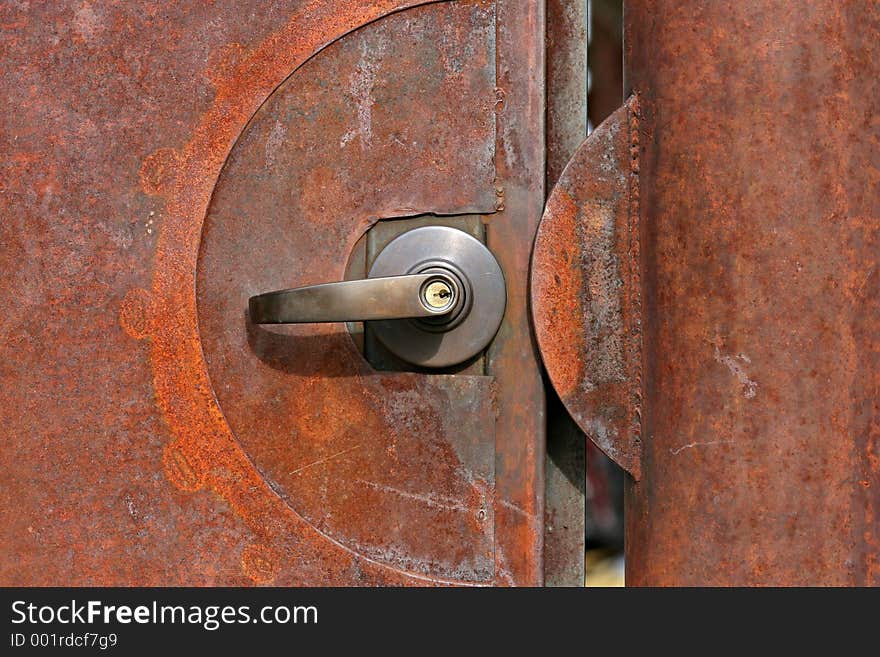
pixel 438 294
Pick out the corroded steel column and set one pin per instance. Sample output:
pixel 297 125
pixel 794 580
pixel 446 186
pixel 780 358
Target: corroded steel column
pixel 760 212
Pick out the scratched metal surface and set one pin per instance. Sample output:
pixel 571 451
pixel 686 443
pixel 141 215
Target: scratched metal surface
pixel 119 464
pixel 512 359
pixel 566 127
pixel 586 288
pixel 761 207
pixel 567 85
pixel 384 123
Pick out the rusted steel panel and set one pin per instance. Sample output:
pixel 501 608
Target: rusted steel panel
pixel 586 288
pixel 567 24
pixel 566 121
pixel 512 359
pixel 120 466
pixel 396 467
pixel 761 208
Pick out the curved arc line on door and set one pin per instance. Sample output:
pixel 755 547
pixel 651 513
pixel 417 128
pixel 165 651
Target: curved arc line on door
pixel 205 453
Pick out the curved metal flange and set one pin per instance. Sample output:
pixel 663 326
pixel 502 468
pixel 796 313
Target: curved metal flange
pixel 586 288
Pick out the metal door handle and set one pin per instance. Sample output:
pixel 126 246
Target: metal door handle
pixel 391 297
pixel 435 297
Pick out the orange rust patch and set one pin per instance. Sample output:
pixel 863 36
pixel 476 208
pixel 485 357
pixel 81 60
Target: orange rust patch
pixel 586 288
pixel 136 313
pixel 557 293
pixel 259 563
pixel 158 170
pixel 222 62
pixel 179 470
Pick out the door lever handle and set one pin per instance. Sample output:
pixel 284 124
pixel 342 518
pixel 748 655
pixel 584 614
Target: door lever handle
pixel 410 296
pixel 434 297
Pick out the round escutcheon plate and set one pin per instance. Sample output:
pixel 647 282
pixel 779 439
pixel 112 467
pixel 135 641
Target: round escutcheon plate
pixel 478 311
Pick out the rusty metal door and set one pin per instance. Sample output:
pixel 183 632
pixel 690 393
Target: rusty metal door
pixel 164 162
pixel 703 290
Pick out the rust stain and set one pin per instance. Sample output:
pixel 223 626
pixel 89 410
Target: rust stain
pixel 158 170
pixel 760 211
pixel 586 288
pixel 302 402
pixel 567 85
pixel 260 563
pixel 204 442
pixel 562 283
pixel 180 471
pixel 136 313
pixel 185 178
pixel 143 110
pixel 513 361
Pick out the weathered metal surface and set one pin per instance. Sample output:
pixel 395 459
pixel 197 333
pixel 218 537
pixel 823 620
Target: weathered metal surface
pixel 565 511
pixel 586 288
pixel 605 481
pixel 760 201
pixel 567 26
pixel 512 359
pixel 397 467
pixel 131 455
pixel 564 504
